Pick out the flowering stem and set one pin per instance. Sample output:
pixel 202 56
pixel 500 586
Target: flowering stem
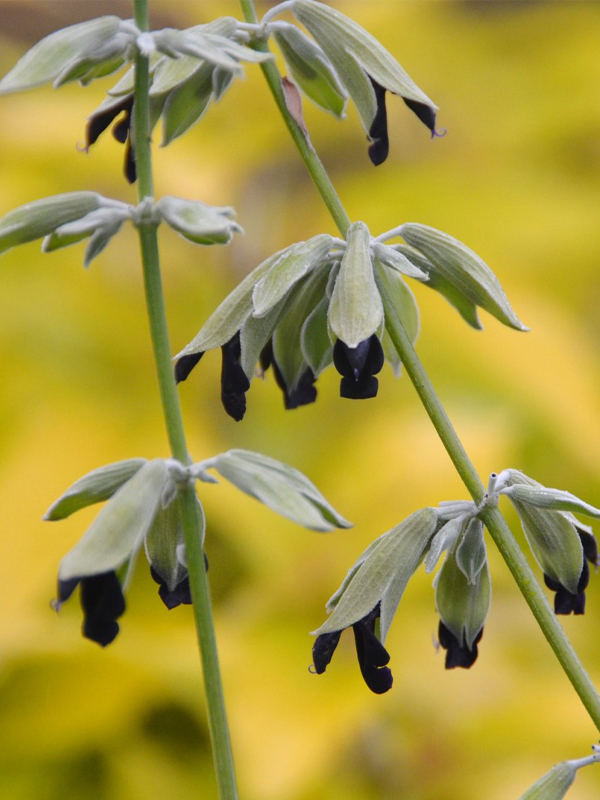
pixel 491 516
pixel 311 159
pixel 191 516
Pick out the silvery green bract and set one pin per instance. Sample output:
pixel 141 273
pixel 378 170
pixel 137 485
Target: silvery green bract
pixel 366 70
pixel 308 305
pixel 311 70
pixel 81 52
pixel 282 488
pixel 63 220
pixel 458 273
pixel 143 511
pixel 196 221
pixel 562 545
pixel 555 783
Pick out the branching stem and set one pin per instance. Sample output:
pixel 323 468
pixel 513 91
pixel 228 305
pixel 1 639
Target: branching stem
pixel 191 514
pixel 492 517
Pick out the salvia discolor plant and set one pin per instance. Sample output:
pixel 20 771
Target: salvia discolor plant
pixel 338 300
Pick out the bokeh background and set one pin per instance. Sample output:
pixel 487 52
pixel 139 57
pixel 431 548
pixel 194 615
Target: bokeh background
pixel 517 178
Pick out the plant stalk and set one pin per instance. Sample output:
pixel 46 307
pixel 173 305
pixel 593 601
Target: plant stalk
pixel 193 525
pixel 493 519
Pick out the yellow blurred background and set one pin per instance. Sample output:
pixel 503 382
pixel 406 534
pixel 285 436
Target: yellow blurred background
pixel 517 178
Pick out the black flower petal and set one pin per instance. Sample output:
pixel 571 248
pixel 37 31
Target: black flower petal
pixel 65 590
pixel 303 393
pixel 425 113
pixel 185 365
pixel 173 597
pixel 100 120
pixel 323 650
pixel 458 655
pixel 266 356
pixel 234 381
pixel 566 602
pixel 372 655
pixel 129 165
pixel 590 546
pixel 103 603
pixel 358 366
pixel 378 132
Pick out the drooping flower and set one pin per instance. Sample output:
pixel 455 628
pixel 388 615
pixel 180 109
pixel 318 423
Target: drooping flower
pixel 190 69
pixel 326 301
pixel 562 545
pixel 142 511
pixel 369 595
pixel 347 60
pixel 310 305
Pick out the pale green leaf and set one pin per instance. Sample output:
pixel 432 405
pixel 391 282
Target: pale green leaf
pixel 396 260
pixel 551 536
pixel 196 221
pixel 465 307
pixel 462 606
pixel 256 333
pixel 470 551
pixel 287 350
pixel 552 499
pixel 352 50
pixel 553 785
pixel 443 540
pixel 395 292
pixel 315 343
pixel 161 543
pixel 187 103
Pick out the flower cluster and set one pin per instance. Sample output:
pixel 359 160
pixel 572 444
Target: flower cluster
pixel 142 511
pixel 327 301
pixel 343 59
pixel 369 595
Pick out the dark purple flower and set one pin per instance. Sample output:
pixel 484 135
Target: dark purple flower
pixel 566 602
pixel 102 602
pixel 99 121
pixel 458 654
pixel 372 655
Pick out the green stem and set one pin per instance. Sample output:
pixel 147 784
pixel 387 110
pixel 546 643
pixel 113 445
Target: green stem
pixel 193 524
pixel 492 517
pixel 311 159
